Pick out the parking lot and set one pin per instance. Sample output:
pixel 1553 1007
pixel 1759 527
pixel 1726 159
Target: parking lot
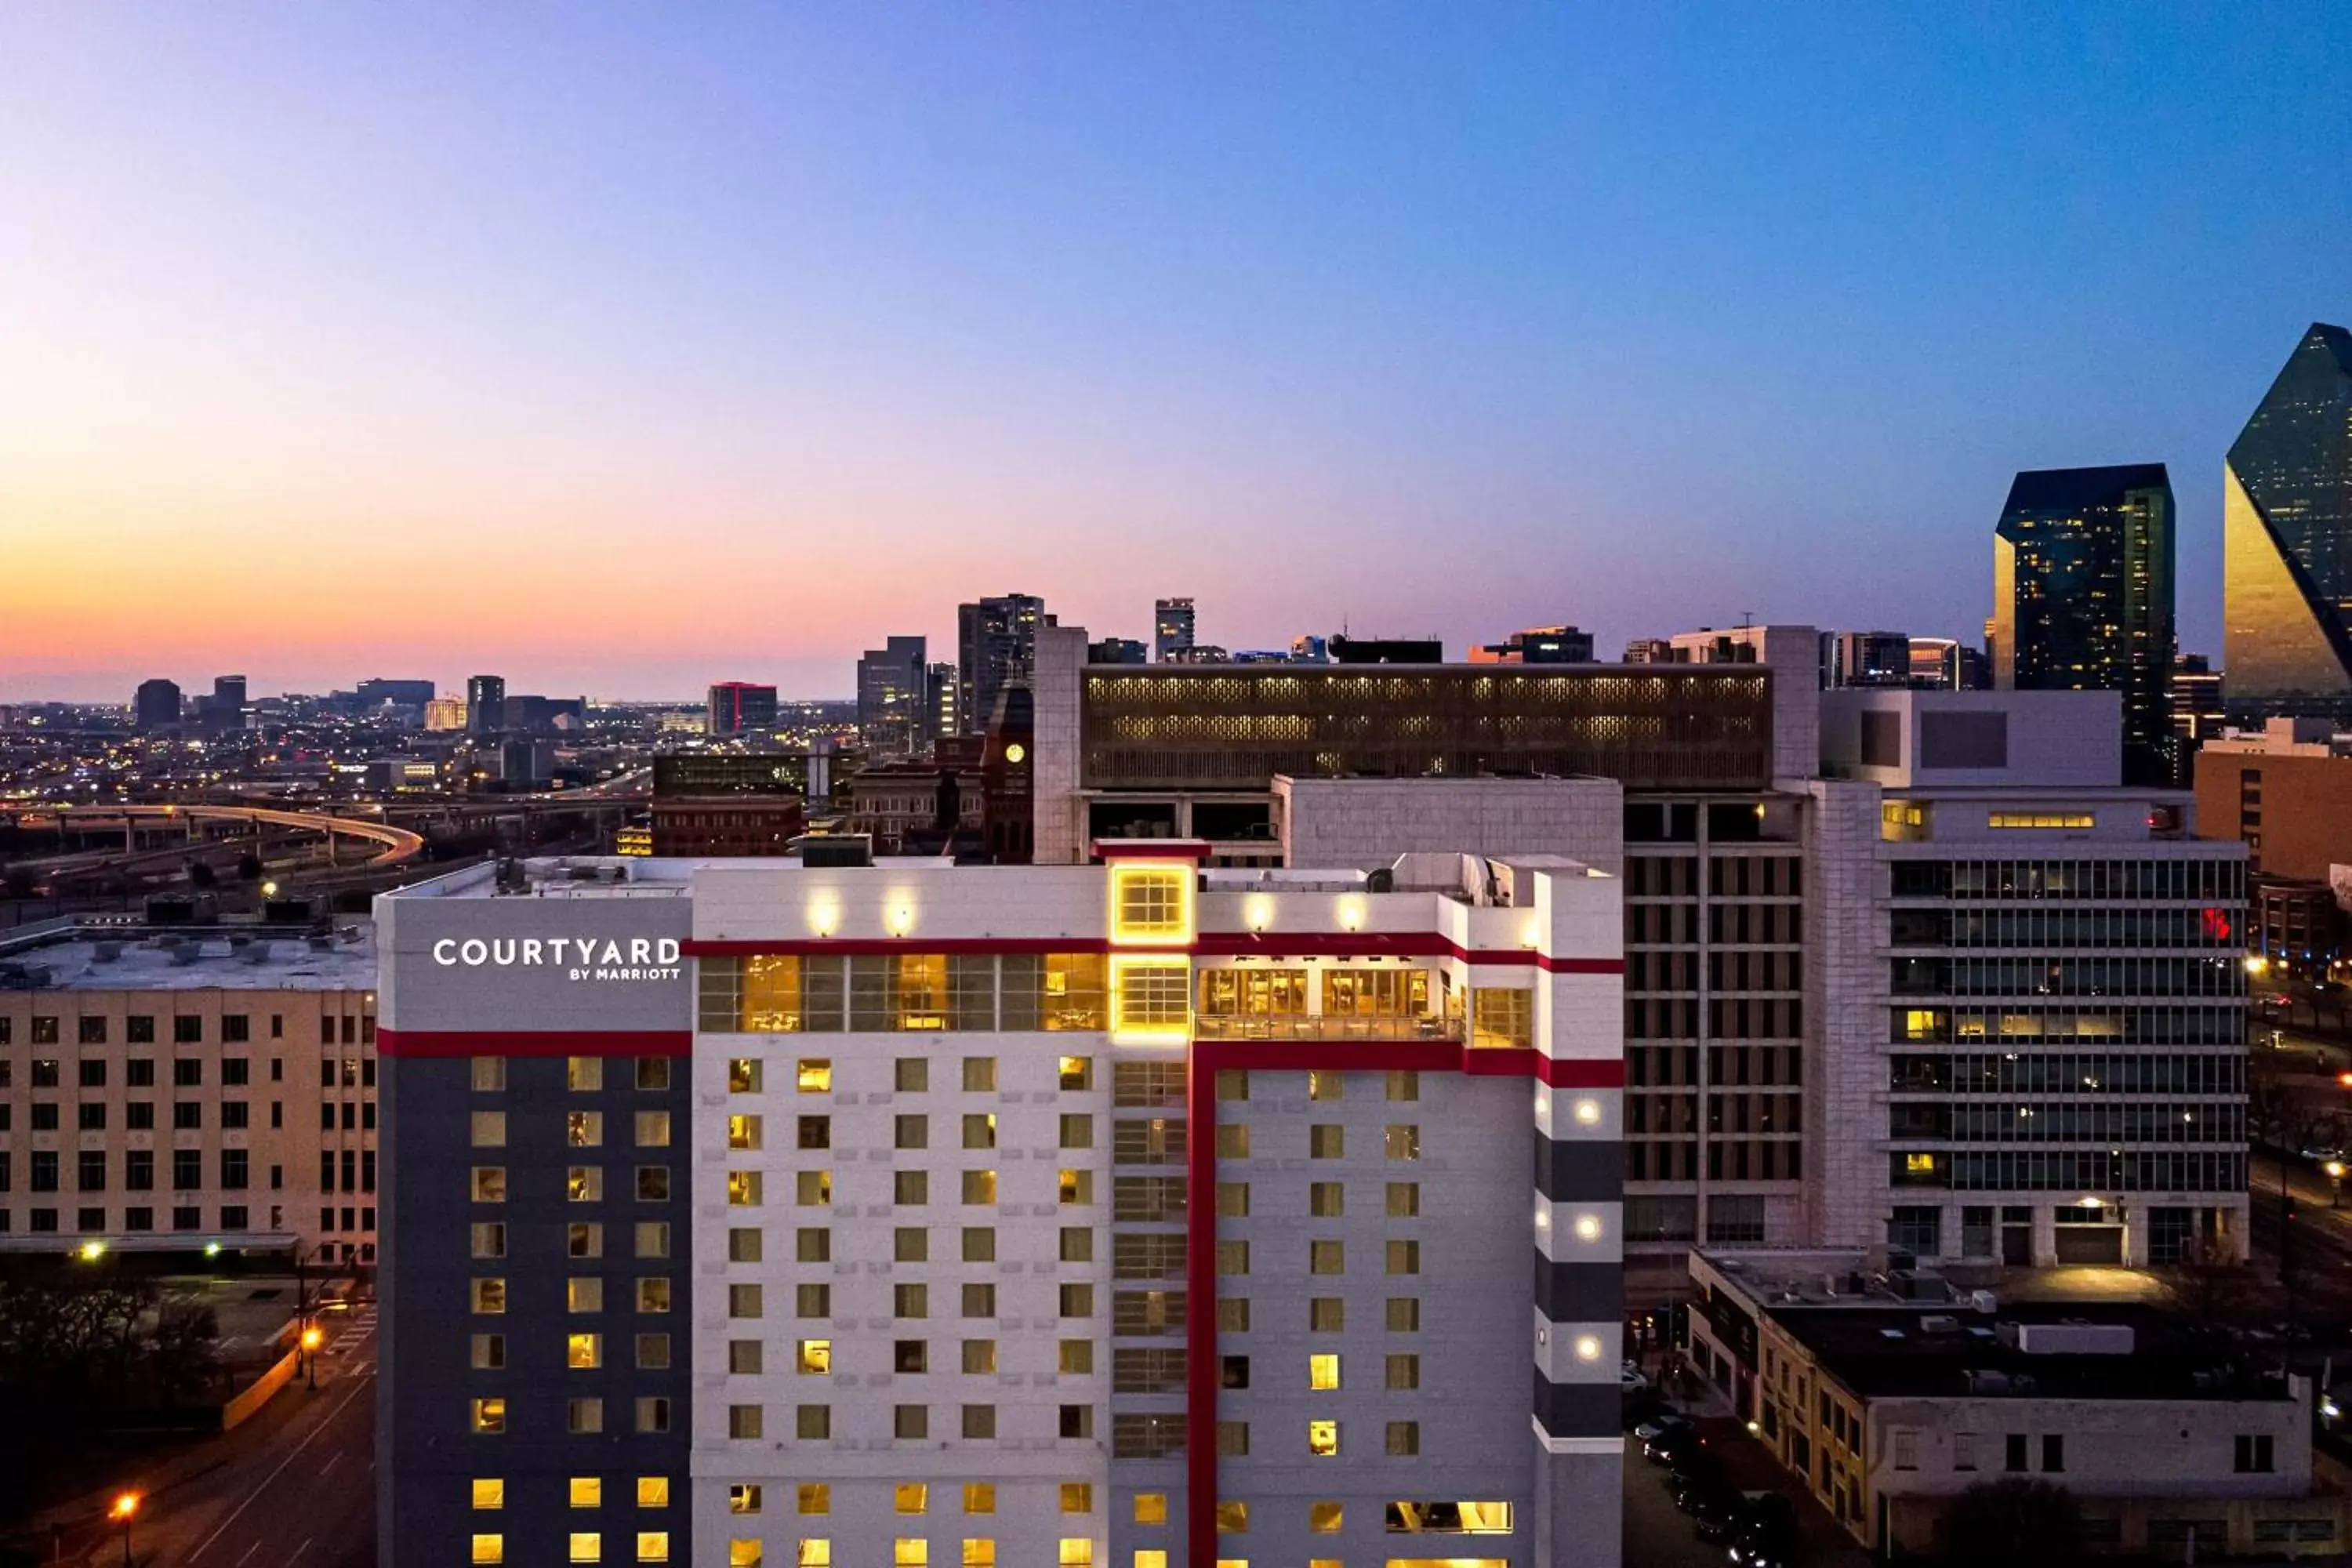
pixel 1657 1532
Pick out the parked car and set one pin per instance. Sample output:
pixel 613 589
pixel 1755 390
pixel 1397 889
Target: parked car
pixel 1767 1537
pixel 1718 1516
pixel 1630 1379
pixel 1668 1445
pixel 1669 1421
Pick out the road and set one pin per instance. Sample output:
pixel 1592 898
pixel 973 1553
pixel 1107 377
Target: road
pixel 304 1497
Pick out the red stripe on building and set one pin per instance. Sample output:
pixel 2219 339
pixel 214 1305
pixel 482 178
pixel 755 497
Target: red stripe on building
pixel 1210 944
pixel 424 1043
pixel 888 946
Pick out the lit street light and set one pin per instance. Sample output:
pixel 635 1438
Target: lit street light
pixel 311 1339
pixel 124 1507
pixel 2335 1169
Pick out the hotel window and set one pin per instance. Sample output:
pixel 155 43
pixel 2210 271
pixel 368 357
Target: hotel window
pixel 489 1129
pixel 1251 992
pixel 815 1301
pixel 653 1129
pixel 980 1131
pixel 1403 1200
pixel 1327 1314
pixel 746 1358
pixel 489 1295
pixel 1077 1074
pixel 980 1186
pixel 910 1300
pixel 1325 1517
pixel 1150 1507
pixel 1154 996
pixel 489 1184
pixel 1502 1018
pixel 742 1133
pixel 489 1494
pixel 744 1075
pixel 1233 1200
pixel 743 1244
pixel 1232 1083
pixel 584 1294
pixel 1076 1551
pixel 653 1352
pixel 980 1497
pixel 1324 1257
pixel 583 1074
pixel 979 1357
pixel 743 1553
pixel 815 1551
pixel 587 1491
pixel 1322 1372
pixel 1404 1371
pixel 979 1300
pixel 910 1551
pixel 652 1295
pixel 1077 1420
pixel 1323 1084
pixel 583 1417
pixel 910 1244
pixel 911 1075
pixel 1327 1141
pixel 978 1076
pixel 583 1352
pixel 814 1132
pixel 587 1546
pixel 584 1241
pixel 1323 1439
pixel 1151 903
pixel 910 1187
pixel 743 1189
pixel 1405 1085
pixel 653 1546
pixel 653 1072
pixel 1232 1258
pixel 1233 1518
pixel 490 1074
pixel 490 1549
pixel 978 1244
pixel 489 1240
pixel 1404 1314
pixel 1402 1141
pixel 747 1301
pixel 1376 992
pixel 1074 1358
pixel 584 1183
pixel 1404 1439
pixel 653 1491
pixel 743 1499
pixel 910 1131
pixel 653 1415
pixel 746 1423
pixel 979 1552
pixel 1326 1200
pixel 911 1423
pixel 489 1416
pixel 1234 1140
pixel 1076 1187
pixel 1077 1132
pixel 812 1189
pixel 490 1352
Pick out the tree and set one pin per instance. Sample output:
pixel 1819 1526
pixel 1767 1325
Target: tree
pixel 248 867
pixel 2016 1523
pixel 201 875
pixel 184 1350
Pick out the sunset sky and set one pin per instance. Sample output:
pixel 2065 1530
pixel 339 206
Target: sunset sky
pixel 622 348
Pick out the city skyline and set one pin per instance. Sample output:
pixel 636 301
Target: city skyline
pixel 1640 332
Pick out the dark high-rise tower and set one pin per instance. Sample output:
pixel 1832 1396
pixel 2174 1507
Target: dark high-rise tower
pixel 2082 597
pixel 893 710
pixel 2286 637
pixel 486 704
pixel 996 641
pixel 157 704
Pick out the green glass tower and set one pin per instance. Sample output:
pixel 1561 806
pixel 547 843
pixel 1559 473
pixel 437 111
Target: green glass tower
pixel 2287 541
pixel 2082 597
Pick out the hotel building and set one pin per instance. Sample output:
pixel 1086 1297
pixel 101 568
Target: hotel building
pixel 1129 1213
pixel 174 1089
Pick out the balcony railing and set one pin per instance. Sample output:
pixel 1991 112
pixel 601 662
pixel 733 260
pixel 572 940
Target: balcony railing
pixel 1323 1026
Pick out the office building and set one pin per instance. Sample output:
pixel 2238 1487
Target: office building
pixel 1117 650
pixel 1172 629
pixel 741 708
pixel 720 803
pixel 1649 650
pixel 486 704
pixel 2198 712
pixel 996 641
pixel 2298 927
pixel 536 715
pixel 2287 541
pixel 893 710
pixel 939 698
pixel 1345 649
pixel 444 714
pixel 1887 1398
pixel 1075 1213
pixel 157 705
pixel 1309 649
pixel 223 709
pixel 2082 563
pixel 2286 791
pixel 1866 658
pixel 407 699
pixel 910 807
pixel 1945 664
pixel 2029 974
pixel 167 1088
pixel 1537 645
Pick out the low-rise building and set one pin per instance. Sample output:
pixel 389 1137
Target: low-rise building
pixel 1888 1394
pixel 181 1087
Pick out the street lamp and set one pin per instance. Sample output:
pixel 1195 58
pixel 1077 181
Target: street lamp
pixel 311 1339
pixel 124 1507
pixel 2335 1169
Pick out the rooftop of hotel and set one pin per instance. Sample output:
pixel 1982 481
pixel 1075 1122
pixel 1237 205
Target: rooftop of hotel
pixel 125 953
pixel 562 876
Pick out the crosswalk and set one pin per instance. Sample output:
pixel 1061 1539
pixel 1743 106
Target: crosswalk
pixel 349 1334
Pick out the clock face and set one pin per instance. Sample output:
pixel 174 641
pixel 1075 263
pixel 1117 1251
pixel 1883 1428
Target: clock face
pixel 1015 751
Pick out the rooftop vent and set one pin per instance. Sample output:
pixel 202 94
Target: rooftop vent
pixel 184 954
pixel 106 951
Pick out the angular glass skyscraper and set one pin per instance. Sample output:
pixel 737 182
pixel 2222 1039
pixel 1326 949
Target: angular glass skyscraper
pixel 2287 537
pixel 2082 597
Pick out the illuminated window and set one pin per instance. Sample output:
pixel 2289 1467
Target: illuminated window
pixel 910 1551
pixel 490 1074
pixel 2066 819
pixel 813 1498
pixel 980 1186
pixel 1151 905
pixel 1502 1018
pixel 489 1494
pixel 815 1358
pixel 490 1415
pixel 1077 1073
pixel 652 1129
pixel 743 1132
pixel 1077 1497
pixel 910 1498
pixel 489 1129
pixel 1233 1518
pixel 1151 1508
pixel 489 1184
pixel 490 1549
pixel 979 1552
pixel 742 1554
pixel 1077 1552
pixel 1150 1557
pixel 1151 996
pixel 1322 1438
pixel 1400 1140
pixel 652 1295
pixel 584 1129
pixel 980 1497
pixel 743 1498
pixel 743 1189
pixel 653 1546
pixel 587 1491
pixel 653 1491
pixel 584 1183
pixel 815 1551
pixel 489 1295
pixel 1324 1518
pixel 490 1352
pixel 584 1241
pixel 587 1546
pixel 1076 1187
pixel 744 1075
pixel 1448 1518
pixel 813 1075
pixel 1322 1372
pixel 583 1352
pixel 1919 1164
